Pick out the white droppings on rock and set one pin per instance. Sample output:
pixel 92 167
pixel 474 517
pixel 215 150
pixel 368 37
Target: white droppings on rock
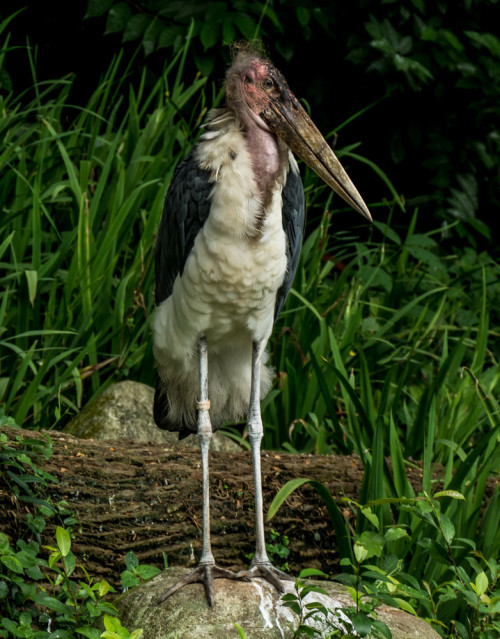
pixel 266 603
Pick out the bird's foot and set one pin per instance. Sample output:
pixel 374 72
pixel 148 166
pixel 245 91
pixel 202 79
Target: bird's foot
pixel 204 574
pixel 268 572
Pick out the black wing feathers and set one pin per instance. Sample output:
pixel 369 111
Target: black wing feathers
pixel 187 206
pixel 293 216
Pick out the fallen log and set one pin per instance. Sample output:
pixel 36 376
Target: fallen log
pixel 146 498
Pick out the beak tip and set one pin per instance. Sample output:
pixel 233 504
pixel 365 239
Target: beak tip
pixel 365 212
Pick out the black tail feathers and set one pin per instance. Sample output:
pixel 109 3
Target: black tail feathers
pixel 161 411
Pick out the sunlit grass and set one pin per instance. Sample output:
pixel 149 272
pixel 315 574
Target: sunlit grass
pixel 80 206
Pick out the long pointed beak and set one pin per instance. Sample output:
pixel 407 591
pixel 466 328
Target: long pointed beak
pixel 291 123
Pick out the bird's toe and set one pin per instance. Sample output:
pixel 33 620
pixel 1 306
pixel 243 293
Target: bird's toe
pixel 268 572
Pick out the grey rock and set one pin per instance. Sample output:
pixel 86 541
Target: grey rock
pixel 125 411
pixel 256 606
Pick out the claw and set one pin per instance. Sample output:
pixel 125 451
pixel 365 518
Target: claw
pixel 204 574
pixel 268 572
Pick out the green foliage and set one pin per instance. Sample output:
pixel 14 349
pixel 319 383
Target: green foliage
pixel 434 67
pixel 20 458
pixel 136 573
pixel 449 58
pixel 80 206
pixel 163 25
pixel 41 598
pixel 351 621
pixel 44 592
pixel 115 630
pixel 37 591
pixel 278 550
pixel 393 333
pixel 457 589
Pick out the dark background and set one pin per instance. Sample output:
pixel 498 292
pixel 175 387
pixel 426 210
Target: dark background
pixel 434 128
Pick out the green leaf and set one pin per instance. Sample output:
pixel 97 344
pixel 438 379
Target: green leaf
pixel 228 30
pixel 32 279
pixel 111 623
pixel 488 40
pixel 61 634
pixel 372 542
pixel 209 34
pixel 404 605
pixel 246 25
pixel 303 15
pixel 103 587
pixel 168 36
pixel 52 604
pixel 393 534
pixel 289 596
pixel 360 552
pixel 387 232
pixel 34 573
pixel 293 605
pixel 135 27
pixel 305 590
pixel 4 590
pixel 63 540
pixel 4 544
pixel 118 16
pixel 447 527
pixel 131 560
pixel 454 494
pixel 146 572
pixel 240 630
pixel 89 632
pixel 96 8
pixel 70 563
pixel 283 494
pixel 481 583
pixel 361 623
pixel 12 563
pixel 311 572
pixel 128 579
pixel 371 516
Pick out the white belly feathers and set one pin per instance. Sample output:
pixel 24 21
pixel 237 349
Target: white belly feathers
pixel 237 264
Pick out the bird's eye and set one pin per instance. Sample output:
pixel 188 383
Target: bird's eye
pixel 267 84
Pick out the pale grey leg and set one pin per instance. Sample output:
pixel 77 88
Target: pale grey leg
pixel 204 436
pixel 261 566
pixel 206 570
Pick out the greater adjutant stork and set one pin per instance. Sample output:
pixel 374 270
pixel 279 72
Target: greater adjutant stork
pixel 227 250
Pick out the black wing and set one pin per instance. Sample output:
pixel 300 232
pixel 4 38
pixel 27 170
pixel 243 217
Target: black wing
pixel 293 216
pixel 187 206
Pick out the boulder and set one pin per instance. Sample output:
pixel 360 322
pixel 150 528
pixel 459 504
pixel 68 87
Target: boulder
pixel 256 606
pixel 125 411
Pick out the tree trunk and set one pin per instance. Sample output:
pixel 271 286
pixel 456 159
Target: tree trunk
pixel 147 498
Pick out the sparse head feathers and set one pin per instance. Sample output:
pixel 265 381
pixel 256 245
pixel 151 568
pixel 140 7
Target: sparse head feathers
pixel 250 64
pixel 248 48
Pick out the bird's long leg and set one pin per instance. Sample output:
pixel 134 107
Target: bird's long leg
pixel 206 571
pixel 261 566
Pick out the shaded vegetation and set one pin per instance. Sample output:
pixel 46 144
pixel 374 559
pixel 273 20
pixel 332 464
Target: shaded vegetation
pixel 388 344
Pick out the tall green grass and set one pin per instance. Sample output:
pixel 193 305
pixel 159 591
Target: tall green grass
pixel 81 195
pixel 395 356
